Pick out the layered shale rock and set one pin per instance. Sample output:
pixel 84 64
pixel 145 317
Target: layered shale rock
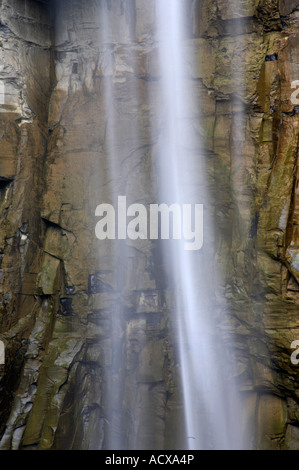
pixel 71 305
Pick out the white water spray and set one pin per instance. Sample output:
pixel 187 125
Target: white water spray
pixel 211 405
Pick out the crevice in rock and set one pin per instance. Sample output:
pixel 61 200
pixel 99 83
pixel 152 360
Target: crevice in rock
pixel 271 57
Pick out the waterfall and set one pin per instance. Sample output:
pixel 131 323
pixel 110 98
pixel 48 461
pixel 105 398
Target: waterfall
pixel 211 405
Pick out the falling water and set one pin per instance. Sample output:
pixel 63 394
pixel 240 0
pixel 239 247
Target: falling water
pixel 118 251
pixel 211 404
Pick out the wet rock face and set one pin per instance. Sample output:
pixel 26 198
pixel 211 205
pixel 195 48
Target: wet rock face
pixel 25 86
pixel 73 307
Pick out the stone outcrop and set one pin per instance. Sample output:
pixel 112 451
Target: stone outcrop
pixel 72 306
